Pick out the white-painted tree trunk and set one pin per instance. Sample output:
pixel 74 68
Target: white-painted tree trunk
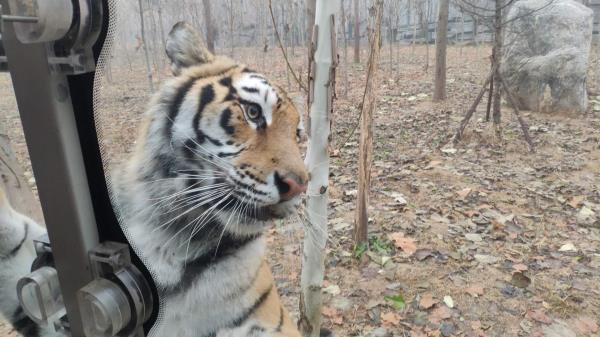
pixel 317 160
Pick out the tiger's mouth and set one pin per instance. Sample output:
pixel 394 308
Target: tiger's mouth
pixel 245 211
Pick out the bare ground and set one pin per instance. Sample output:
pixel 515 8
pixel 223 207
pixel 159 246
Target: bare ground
pixel 481 238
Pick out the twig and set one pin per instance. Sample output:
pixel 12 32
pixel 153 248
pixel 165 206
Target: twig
pixel 287 61
pixel 465 121
pixel 362 104
pixel 522 122
pixel 490 93
pixel 489 102
pixel 528 13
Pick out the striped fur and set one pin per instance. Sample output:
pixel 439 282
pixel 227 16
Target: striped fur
pixel 205 179
pixel 200 189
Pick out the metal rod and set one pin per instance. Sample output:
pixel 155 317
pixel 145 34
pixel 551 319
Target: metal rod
pixel 17 18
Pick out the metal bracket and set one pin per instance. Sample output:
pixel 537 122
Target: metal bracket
pixel 117 303
pixel 68 35
pixel 39 292
pixel 119 300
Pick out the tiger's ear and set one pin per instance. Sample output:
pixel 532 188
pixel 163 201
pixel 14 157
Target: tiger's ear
pixel 185 48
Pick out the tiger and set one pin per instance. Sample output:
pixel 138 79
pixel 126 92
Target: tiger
pixel 216 160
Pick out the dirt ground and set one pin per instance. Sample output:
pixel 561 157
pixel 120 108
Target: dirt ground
pixel 479 238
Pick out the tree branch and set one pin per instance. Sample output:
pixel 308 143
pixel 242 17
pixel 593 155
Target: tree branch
pixel 513 103
pixel 287 61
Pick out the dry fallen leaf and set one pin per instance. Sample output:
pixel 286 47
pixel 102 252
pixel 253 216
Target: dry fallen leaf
pixel 477 328
pixel 406 244
pixel 333 314
pixel 586 325
pixel 539 316
pixel 475 290
pixel 519 267
pixel 427 301
pixel 439 314
pixel 332 289
pixel 576 201
pixel 471 213
pixel 433 333
pixel 463 194
pixel 391 318
pixel 417 332
pixel 432 164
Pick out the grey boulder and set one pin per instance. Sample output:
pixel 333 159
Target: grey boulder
pixel 546 53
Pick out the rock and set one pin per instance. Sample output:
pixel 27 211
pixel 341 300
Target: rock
pixel 379 332
pixel 423 253
pixel 473 237
pixel 447 329
pixel 449 302
pixel 540 129
pixel 509 291
pixel 586 216
pixel 486 259
pixel 449 150
pixel 567 247
pixel 520 280
pixel 399 198
pixel 394 286
pixel 552 58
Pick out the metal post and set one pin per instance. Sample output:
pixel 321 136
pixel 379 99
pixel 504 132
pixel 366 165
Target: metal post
pixel 50 129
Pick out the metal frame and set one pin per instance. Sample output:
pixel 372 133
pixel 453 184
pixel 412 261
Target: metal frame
pixel 55 100
pixel 52 138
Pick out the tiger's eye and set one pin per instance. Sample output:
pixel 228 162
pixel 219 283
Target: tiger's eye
pixel 253 112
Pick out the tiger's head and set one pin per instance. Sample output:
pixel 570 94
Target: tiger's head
pixel 225 138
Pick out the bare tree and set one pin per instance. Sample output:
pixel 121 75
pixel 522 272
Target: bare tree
pixel 441 43
pixel 345 40
pixel 356 32
pixel 317 159
pixel 310 19
pixel 390 34
pixel 210 30
pixel 424 12
pixel 366 127
pixel 231 16
pixel 145 46
pixel 156 53
pixel 414 20
pixel 494 80
pixel 497 54
pixel 161 26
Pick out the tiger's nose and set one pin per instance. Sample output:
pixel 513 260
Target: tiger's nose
pixel 289 187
